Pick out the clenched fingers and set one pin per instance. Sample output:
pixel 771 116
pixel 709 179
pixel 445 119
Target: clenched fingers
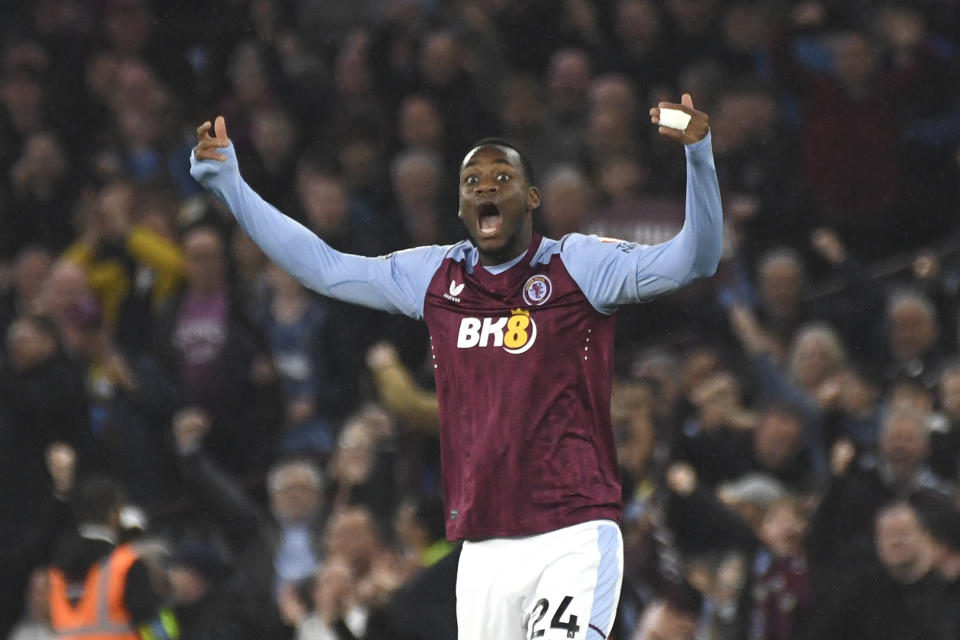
pixel 207 145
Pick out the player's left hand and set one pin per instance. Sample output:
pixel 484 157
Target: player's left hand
pixel 697 128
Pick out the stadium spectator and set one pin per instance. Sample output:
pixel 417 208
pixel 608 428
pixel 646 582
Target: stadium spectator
pixel 42 400
pixel 768 576
pixel 898 595
pixel 306 351
pixel 362 468
pixel 219 361
pixel 841 526
pixel 29 271
pixel 35 623
pixel 417 177
pixel 204 608
pixel 675 615
pixel 130 402
pixel 941 521
pixel 945 436
pixel 275 552
pixel 96 104
pixel 912 332
pixel 43 187
pixel 133 268
pixel 80 597
pixel 26 554
pixel 568 85
pixel 856 83
pixel 272 154
pixel 419 529
pixel 567 201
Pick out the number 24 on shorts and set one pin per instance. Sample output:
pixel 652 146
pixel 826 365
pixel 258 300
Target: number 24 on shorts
pixel 540 610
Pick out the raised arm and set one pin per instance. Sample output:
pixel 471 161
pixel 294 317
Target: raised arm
pixel 611 274
pixel 395 283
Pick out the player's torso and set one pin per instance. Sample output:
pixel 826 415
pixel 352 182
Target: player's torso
pixel 523 366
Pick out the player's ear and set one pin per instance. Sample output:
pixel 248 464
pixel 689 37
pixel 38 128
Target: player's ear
pixel 533 198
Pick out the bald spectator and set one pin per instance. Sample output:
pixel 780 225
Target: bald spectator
pixel 912 333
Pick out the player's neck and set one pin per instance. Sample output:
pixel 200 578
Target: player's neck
pixel 510 252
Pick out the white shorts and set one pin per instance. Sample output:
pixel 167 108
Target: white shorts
pixel 556 585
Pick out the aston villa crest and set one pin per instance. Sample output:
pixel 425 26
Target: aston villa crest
pixel 537 290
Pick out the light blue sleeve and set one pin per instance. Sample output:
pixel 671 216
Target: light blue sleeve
pixel 612 273
pixel 396 283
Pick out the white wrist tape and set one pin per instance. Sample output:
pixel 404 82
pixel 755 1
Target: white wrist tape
pixel 674 118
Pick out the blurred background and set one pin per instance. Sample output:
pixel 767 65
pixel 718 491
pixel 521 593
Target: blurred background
pixel 789 430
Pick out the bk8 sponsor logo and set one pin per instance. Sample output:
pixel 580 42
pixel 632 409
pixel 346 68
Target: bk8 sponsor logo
pixel 514 334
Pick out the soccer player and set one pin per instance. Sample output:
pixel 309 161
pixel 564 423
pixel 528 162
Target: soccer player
pixel 521 331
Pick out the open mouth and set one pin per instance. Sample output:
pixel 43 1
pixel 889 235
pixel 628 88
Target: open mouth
pixel 488 218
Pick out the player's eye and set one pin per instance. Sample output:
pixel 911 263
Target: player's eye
pixel 471 180
pixel 503 177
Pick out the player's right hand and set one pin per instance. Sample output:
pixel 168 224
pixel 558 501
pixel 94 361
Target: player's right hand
pixel 207 144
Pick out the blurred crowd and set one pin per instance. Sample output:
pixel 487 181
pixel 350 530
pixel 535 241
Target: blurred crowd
pixel 789 430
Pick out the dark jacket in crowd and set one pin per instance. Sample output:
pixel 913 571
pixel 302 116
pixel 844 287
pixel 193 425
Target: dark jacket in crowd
pixel 42 405
pixel 245 413
pixel 877 607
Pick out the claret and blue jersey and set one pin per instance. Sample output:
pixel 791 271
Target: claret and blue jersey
pixel 523 366
pixel 523 352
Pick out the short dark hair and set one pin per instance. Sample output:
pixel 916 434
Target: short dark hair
pixel 500 142
pixel 96 500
